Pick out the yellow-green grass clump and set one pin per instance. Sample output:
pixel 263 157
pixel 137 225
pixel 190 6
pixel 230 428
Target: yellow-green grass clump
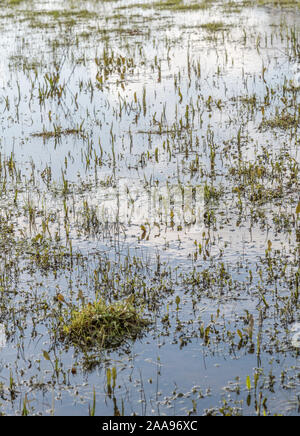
pixel 104 325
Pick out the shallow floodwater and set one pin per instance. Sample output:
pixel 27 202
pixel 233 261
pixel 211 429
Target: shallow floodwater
pixel 151 150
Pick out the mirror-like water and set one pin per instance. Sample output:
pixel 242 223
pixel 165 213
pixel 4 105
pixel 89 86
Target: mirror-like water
pixel 149 152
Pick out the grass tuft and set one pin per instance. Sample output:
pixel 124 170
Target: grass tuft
pixel 103 325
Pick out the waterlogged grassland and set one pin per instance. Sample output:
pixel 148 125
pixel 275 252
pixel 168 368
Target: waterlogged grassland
pixel 154 317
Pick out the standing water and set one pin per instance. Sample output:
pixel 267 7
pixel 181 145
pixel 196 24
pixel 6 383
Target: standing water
pixel 150 211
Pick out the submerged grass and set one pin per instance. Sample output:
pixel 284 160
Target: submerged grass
pixel 280 3
pixel 15 2
pixel 282 121
pixel 58 133
pixel 214 26
pixel 173 5
pixel 104 325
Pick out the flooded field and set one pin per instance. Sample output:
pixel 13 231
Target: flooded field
pixel 150 208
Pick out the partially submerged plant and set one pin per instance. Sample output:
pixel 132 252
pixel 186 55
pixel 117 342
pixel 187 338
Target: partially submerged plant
pixel 282 121
pixel 103 325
